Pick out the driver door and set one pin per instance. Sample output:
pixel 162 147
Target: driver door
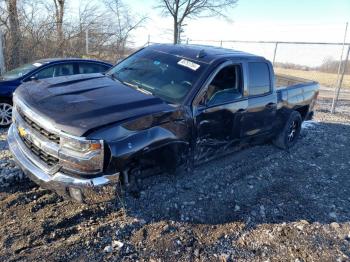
pixel 218 113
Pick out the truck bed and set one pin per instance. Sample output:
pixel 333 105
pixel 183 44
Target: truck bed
pixel 294 92
pixel 286 81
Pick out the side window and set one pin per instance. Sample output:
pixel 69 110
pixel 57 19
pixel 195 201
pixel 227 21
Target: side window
pixel 226 86
pixel 45 73
pixel 89 68
pixel 259 78
pixel 63 70
pixel 54 71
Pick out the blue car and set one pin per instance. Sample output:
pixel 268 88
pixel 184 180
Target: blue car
pixel 41 69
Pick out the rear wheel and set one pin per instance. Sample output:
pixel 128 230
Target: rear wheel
pixel 5 112
pixel 290 132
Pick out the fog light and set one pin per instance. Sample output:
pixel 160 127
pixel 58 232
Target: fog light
pixel 76 194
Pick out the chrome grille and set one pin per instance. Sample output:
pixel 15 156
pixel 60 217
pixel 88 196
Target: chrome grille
pixel 46 158
pixel 41 143
pixel 50 136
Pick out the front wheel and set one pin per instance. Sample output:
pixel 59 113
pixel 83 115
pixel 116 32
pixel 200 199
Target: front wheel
pixel 5 112
pixel 290 132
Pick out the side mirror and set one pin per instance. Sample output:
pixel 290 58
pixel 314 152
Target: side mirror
pixel 202 99
pixel 33 77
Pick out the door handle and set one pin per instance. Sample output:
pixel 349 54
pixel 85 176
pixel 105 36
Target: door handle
pixel 271 105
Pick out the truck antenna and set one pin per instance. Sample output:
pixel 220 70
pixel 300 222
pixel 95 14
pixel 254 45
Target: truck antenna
pixel 201 54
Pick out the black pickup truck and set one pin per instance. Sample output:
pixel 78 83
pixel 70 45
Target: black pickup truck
pixel 163 107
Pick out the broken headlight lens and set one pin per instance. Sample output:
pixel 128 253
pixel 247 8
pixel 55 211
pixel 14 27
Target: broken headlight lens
pixel 81 156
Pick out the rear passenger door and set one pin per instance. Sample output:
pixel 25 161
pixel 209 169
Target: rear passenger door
pixel 262 101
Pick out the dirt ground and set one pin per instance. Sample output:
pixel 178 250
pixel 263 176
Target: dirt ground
pixel 261 204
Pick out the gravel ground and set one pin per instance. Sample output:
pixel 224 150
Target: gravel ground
pixel 261 204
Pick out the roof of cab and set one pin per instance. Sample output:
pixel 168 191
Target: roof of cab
pixel 201 53
pixel 68 59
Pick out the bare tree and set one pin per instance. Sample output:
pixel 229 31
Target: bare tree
pixel 125 23
pixel 35 29
pixel 187 9
pixel 14 32
pixel 88 28
pixel 59 8
pixel 38 30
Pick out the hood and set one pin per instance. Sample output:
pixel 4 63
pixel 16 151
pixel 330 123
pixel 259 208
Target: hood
pixel 79 103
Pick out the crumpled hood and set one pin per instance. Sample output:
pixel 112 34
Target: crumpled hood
pixel 77 104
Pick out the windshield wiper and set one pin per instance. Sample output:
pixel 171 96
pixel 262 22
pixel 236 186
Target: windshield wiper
pixel 137 87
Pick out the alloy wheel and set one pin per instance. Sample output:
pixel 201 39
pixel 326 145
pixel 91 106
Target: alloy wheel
pixel 5 114
pixel 293 129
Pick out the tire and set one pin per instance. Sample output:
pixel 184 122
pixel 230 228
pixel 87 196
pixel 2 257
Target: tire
pixel 289 134
pixel 131 186
pixel 5 112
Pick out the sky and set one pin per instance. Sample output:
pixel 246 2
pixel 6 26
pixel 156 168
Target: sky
pixel 258 20
pixel 298 20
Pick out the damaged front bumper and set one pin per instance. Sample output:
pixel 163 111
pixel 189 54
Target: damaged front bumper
pixel 85 190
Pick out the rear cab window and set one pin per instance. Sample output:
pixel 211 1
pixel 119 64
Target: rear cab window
pixel 259 82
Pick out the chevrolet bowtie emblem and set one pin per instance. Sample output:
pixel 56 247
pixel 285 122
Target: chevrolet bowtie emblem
pixel 22 132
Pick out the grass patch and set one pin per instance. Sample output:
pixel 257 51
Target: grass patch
pixel 325 79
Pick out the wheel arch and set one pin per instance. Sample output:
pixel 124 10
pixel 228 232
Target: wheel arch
pixel 303 111
pixel 6 99
pixel 157 145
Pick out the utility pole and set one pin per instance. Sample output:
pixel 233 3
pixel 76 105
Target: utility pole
pixel 274 54
pixel 2 60
pixel 87 41
pixel 339 83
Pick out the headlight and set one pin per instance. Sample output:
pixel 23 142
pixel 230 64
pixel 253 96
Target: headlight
pixel 83 146
pixel 81 156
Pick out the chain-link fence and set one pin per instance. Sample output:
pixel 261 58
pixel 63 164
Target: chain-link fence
pixel 322 62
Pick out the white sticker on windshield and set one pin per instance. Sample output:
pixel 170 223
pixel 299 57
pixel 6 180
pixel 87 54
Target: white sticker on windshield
pixel 37 64
pixel 188 64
